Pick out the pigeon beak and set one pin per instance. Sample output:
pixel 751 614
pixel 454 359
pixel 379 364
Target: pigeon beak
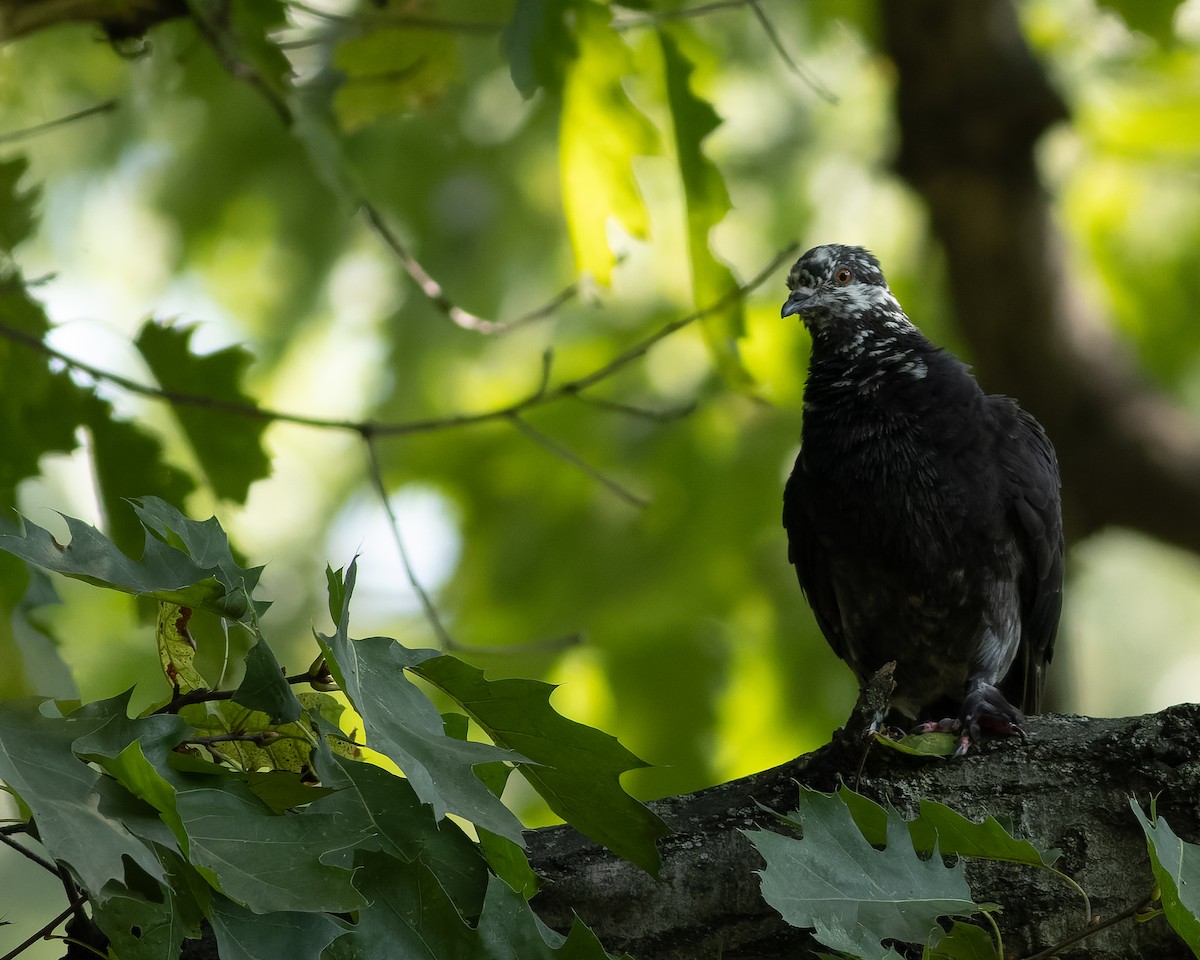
pixel 795 303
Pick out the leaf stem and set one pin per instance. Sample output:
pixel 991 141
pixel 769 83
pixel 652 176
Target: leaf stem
pixel 1093 928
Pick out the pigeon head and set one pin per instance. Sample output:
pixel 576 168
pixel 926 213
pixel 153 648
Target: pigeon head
pixel 838 290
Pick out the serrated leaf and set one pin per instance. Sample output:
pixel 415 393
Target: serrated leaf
pixel 410 916
pixel 404 725
pixel 937 827
pixel 577 769
pixel 228 448
pixel 71 803
pixel 206 543
pixel 264 687
pixel 163 573
pixel 244 935
pixel 275 747
pixel 143 925
pixel 16 206
pixel 505 858
pixel 42 407
pixel 389 815
pixel 707 202
pixel 852 894
pixel 600 132
pixel 1176 866
pixel 393 71
pixel 267 862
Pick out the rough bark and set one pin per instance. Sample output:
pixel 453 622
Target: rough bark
pixel 971 103
pixel 1069 787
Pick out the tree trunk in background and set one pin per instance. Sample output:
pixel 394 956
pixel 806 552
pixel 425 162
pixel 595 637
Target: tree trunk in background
pixel 971 104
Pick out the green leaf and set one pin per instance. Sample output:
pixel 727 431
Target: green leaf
pixel 937 827
pixel 244 935
pixel 16 206
pixel 41 407
pixel 404 725
pixel 1151 17
pixel 129 462
pixel 227 446
pixel 264 687
pixel 964 941
pixel 600 132
pixel 165 572
pixel 505 858
pixel 148 923
pixel 922 744
pixel 264 861
pixel 707 201
pixel 71 803
pixel 410 916
pixel 576 769
pixel 385 810
pixel 393 71
pixel 852 894
pixel 1176 866
pixel 538 44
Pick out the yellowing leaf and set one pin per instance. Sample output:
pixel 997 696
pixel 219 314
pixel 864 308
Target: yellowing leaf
pixel 601 132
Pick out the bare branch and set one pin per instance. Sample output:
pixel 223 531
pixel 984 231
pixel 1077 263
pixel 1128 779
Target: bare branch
pixel 366 428
pixel 817 87
pixel 108 106
pixel 431 615
pixel 569 456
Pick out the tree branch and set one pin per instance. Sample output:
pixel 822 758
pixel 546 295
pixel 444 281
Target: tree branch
pixel 1067 787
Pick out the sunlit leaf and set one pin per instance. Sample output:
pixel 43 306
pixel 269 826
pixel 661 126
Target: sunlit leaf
pixel 1176 865
pixel 600 133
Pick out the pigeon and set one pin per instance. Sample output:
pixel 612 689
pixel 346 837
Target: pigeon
pixel 923 515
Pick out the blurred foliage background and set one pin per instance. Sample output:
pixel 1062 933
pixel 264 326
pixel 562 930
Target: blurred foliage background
pixel 276 173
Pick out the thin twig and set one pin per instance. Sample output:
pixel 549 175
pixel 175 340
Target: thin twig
pixel 436 295
pixel 28 854
pixel 817 87
pixel 431 615
pixel 659 416
pixel 366 428
pixel 569 456
pixel 39 935
pixel 108 106
pixel 1093 928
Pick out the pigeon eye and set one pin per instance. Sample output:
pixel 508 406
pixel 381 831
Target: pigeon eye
pixel 843 276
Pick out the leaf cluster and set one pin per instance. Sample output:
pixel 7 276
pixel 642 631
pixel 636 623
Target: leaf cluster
pixel 350 819
pixel 868 882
